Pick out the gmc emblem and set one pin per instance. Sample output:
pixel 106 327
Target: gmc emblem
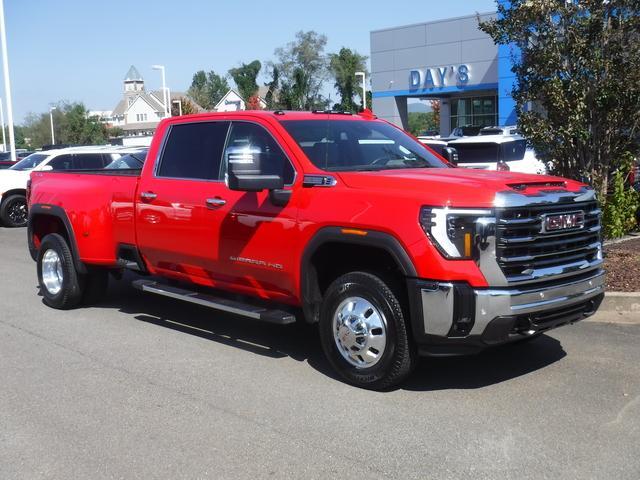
pixel 562 221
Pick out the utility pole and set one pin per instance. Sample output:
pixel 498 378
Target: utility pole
pixel 4 140
pixel 167 107
pixel 7 82
pixel 53 138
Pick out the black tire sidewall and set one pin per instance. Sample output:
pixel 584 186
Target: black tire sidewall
pixel 373 289
pixel 4 210
pixel 71 292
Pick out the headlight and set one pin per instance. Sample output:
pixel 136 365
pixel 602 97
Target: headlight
pixel 455 232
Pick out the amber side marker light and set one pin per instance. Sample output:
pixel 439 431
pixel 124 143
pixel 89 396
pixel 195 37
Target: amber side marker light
pixel 354 231
pixel 467 244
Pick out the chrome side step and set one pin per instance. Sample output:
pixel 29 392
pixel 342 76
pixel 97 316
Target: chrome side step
pixel 262 314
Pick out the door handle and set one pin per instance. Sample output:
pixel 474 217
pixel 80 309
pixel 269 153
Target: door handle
pixel 148 196
pixel 215 202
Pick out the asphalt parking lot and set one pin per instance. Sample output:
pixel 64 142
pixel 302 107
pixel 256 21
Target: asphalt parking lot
pixel 145 387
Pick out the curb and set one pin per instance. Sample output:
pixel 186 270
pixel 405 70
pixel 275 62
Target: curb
pixel 618 308
pixel 630 236
pixel 622 302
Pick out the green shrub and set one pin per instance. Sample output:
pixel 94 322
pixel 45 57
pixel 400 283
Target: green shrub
pixel 621 205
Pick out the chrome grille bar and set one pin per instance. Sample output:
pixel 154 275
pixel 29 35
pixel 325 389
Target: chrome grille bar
pixel 524 252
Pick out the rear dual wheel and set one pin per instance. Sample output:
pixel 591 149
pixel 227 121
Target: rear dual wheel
pixel 61 285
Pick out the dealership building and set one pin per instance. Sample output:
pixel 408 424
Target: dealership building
pixel 451 60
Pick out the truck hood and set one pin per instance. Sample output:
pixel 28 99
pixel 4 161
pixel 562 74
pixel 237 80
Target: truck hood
pixel 458 187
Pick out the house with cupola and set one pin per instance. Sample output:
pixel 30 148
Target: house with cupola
pixel 139 110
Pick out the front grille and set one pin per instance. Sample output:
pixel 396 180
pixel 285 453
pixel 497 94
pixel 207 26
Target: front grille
pixel 523 250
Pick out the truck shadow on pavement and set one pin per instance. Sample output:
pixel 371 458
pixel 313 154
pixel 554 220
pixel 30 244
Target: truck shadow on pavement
pixel 301 342
pixel 487 368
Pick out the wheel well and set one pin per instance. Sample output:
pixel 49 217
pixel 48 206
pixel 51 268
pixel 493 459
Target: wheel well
pixel 42 225
pixel 15 191
pixel 333 259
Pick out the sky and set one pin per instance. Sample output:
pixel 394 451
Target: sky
pixel 80 50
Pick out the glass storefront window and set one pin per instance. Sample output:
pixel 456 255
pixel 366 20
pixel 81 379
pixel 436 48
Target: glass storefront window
pixel 476 111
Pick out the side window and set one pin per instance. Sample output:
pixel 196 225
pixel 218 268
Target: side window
pixel 88 161
pixel 514 150
pixel 194 150
pixel 259 141
pixel 62 162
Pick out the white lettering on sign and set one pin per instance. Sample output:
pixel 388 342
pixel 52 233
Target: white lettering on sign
pixel 439 77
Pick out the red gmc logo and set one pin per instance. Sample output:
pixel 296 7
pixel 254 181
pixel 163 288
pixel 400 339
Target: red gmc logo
pixel 563 221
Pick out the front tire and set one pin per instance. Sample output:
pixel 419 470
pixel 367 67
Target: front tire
pixel 363 332
pixel 13 211
pixel 57 276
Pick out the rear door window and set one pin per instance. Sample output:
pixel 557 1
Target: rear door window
pixel 194 150
pixel 62 162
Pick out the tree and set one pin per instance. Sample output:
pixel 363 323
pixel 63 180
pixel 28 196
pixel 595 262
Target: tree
pixel 421 121
pixel 115 132
pixel 218 86
pixel 199 89
pixel 253 103
pixel 270 97
pixel 302 67
pixel 207 88
pixel 245 77
pixel 435 108
pixel 577 90
pixel 343 66
pixel 186 107
pixel 72 125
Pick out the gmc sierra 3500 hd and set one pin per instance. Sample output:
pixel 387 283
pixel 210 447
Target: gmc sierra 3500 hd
pixel 336 219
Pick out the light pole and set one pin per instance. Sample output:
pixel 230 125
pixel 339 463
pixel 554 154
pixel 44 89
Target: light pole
pixel 164 89
pixel 364 89
pixel 7 82
pixel 53 138
pixel 4 140
pixel 179 102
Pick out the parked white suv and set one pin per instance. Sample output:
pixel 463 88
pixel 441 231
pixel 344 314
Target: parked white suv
pixel 13 181
pixel 497 148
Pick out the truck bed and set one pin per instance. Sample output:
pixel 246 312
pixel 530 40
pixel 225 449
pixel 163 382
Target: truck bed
pixel 98 203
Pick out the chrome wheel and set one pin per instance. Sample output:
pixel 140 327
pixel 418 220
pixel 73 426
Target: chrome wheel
pixel 52 275
pixel 360 332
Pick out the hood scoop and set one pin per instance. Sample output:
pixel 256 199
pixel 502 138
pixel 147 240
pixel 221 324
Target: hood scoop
pixel 520 187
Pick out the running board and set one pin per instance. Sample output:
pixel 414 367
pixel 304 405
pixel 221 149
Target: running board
pixel 262 314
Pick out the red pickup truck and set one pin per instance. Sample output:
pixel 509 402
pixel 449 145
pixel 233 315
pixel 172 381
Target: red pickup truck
pixel 340 220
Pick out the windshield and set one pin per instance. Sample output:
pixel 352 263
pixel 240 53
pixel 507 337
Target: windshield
pixel 129 161
pixel 353 145
pixel 30 162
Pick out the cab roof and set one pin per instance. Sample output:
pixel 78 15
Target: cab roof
pixel 281 115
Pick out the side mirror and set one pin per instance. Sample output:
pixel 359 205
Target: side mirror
pixel 46 168
pixel 450 154
pixel 246 170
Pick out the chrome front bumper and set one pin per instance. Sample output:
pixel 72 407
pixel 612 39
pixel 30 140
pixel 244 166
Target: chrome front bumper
pixel 458 313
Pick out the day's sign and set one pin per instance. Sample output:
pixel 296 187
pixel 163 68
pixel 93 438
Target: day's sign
pixel 439 77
